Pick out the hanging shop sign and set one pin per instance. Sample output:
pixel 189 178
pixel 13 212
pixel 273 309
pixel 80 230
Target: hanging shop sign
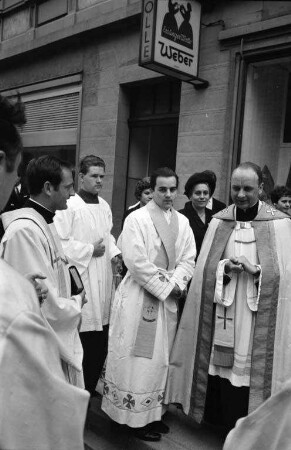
pixel 170 37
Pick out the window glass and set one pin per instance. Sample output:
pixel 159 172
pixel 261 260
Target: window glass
pixel 266 128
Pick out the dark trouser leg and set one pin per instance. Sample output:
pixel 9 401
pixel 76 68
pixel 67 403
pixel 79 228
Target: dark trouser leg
pixel 95 346
pixel 225 403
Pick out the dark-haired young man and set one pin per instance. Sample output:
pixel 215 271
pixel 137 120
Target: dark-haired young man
pixel 158 248
pixel 31 244
pixel 232 347
pixel 85 232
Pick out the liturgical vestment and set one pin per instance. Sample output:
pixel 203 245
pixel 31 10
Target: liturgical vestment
pixel 158 255
pixel 39 409
pixel 32 245
pixel 79 227
pixel 260 320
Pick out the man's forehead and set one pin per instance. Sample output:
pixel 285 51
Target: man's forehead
pixel 244 176
pixel 166 182
pixel 67 176
pixel 99 170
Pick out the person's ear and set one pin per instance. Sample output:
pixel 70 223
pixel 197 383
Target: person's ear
pixel 261 188
pixel 2 159
pixel 81 177
pixel 47 188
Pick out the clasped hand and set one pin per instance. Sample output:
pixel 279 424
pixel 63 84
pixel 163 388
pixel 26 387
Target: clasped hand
pixel 99 248
pixel 240 264
pixel 41 291
pixel 177 293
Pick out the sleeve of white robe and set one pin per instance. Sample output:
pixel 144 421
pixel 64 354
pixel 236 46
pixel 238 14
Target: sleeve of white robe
pixel 39 409
pixel 136 259
pixel 78 252
pixel 185 267
pixel 25 252
pixel 113 249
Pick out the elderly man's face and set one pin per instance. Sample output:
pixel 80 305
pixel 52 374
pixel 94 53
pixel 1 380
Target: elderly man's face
pixel 245 188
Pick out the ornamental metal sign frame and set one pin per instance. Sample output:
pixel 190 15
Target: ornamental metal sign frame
pixel 170 34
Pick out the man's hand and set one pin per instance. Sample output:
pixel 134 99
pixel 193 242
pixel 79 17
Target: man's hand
pixel 83 297
pixel 176 292
pixel 116 262
pixel 99 248
pixel 41 292
pixel 247 266
pixel 240 264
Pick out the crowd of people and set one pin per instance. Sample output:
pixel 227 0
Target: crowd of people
pixel 200 318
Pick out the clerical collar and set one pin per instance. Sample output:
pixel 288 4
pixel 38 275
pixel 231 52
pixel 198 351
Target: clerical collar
pixel 88 197
pixel 247 215
pixel 42 210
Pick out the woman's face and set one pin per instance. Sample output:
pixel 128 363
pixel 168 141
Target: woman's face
pixel 7 179
pixel 284 204
pixel 146 196
pixel 200 196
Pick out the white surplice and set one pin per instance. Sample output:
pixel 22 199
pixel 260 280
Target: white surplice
pixel 39 409
pixel 244 303
pixel 79 227
pixel 27 246
pixel 134 386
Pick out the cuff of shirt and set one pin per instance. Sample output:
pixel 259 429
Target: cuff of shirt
pixel 91 250
pixel 159 289
pixel 114 252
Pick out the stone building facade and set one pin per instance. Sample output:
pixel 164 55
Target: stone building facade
pixel 75 64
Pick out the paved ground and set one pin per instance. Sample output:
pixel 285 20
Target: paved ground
pixel 102 434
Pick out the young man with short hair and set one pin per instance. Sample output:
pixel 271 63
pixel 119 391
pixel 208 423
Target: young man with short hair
pixel 85 232
pixel 159 250
pixel 31 244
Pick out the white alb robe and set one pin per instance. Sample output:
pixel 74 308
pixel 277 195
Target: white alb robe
pixel 27 247
pixel 39 409
pixel 79 227
pixel 244 301
pixel 134 386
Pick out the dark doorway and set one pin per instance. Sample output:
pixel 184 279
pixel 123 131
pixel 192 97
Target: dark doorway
pixel 153 125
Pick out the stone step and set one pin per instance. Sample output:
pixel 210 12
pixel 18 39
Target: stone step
pixel 103 434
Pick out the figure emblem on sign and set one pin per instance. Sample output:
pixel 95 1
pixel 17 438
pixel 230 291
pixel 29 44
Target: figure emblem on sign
pixel 182 35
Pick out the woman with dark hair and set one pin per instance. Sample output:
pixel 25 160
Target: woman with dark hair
pixel 199 188
pixel 281 198
pixel 38 407
pixel 143 193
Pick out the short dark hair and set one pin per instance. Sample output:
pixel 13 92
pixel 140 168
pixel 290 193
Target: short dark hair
pixel 211 174
pixel 42 169
pixel 162 172
pixel 279 192
pixel 89 161
pixel 254 167
pixel 11 116
pixel 141 186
